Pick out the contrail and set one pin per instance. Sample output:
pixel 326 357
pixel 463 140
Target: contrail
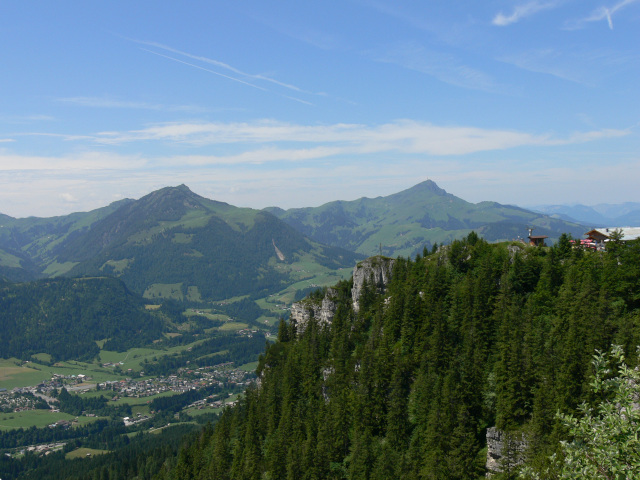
pixel 224 65
pixel 227 76
pixel 205 69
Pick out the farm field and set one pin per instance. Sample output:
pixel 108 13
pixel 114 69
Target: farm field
pixel 83 452
pixel 37 418
pixel 231 326
pixel 249 367
pixel 13 375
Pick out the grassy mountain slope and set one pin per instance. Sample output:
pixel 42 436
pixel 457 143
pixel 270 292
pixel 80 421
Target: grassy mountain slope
pixel 29 244
pixel 405 222
pixel 170 243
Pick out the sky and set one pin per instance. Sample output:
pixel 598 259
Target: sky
pixel 295 104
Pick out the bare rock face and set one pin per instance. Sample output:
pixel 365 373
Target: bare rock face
pixel 323 311
pixel 505 450
pixel 376 270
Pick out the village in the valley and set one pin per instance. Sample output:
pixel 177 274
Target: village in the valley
pixel 230 379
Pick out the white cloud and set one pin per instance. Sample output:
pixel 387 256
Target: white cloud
pixel 6 140
pixel 403 136
pixel 522 11
pixel 275 163
pixel 38 192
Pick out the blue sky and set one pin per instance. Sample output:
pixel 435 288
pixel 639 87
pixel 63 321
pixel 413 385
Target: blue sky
pixel 294 104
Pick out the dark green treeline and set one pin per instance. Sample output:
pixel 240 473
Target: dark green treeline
pixel 472 336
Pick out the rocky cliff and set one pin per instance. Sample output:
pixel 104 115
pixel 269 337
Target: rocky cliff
pixel 375 270
pixel 505 450
pixel 322 310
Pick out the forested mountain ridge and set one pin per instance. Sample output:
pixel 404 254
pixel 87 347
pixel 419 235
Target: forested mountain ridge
pixel 403 223
pixel 473 336
pixel 64 318
pixel 171 242
pixel 27 244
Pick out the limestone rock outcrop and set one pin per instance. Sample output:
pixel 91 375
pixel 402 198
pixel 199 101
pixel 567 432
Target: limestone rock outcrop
pixel 375 270
pixel 505 450
pixel 323 311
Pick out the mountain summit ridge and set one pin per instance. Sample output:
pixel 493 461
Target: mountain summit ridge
pixel 405 222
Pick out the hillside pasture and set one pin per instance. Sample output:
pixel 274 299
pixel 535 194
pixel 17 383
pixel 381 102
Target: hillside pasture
pixel 84 452
pixel 232 326
pixel 164 291
pixel 37 418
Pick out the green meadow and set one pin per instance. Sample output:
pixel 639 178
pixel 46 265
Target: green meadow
pixel 37 418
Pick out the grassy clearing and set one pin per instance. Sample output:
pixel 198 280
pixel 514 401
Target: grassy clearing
pixel 182 238
pixel 84 452
pixel 270 321
pixel 119 266
pixel 16 376
pixel 193 294
pixel 133 357
pixel 55 269
pixel 207 314
pixel 34 418
pixel 249 367
pixel 12 375
pixel 8 260
pixel 232 299
pixel 195 412
pixel 42 357
pixel 164 290
pixel 229 326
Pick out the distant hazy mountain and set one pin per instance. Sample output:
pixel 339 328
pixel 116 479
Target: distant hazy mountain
pixel 403 223
pixel 602 215
pixel 171 242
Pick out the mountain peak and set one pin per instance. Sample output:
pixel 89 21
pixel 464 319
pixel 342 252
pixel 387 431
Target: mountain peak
pixel 423 190
pixel 428 186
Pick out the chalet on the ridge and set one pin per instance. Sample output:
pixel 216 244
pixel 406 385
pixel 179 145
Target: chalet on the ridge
pixel 536 240
pixel 602 235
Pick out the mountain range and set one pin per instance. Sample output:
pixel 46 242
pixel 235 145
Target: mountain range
pixel 175 243
pixel 169 243
pixel 406 222
pixel 601 215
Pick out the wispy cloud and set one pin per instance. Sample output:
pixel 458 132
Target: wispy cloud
pixel 600 14
pixel 270 141
pixel 584 66
pixel 443 66
pixel 7 140
pixel 523 11
pixel 105 102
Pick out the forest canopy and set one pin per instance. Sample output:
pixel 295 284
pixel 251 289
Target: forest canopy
pixel 472 336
